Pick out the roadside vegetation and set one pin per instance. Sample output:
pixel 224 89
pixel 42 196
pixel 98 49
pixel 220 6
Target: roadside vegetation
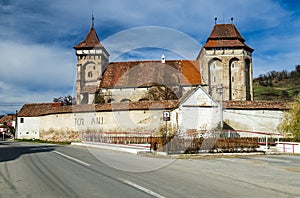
pixel 290 124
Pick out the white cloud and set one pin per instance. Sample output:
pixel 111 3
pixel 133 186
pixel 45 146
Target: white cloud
pixel 37 65
pixel 35 73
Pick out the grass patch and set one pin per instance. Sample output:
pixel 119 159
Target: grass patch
pixel 42 141
pixel 285 89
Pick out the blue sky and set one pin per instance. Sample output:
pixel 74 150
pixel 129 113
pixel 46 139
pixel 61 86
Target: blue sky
pixel 37 36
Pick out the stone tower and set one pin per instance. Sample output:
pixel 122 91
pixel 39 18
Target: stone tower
pixel 226 64
pixel 92 59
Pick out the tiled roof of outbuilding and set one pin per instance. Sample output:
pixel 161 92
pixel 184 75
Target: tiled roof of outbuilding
pixel 7 118
pixel 35 110
pixel 125 106
pixel 147 73
pixel 271 105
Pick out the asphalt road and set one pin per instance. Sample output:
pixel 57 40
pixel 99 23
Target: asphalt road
pixel 41 170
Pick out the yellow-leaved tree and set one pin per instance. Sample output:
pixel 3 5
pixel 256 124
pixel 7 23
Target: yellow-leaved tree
pixel 291 121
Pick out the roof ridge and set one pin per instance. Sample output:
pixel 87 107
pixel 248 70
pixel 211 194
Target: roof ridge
pixel 42 103
pixel 148 61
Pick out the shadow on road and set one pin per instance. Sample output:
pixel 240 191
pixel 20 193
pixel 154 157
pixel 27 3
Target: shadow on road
pixel 11 150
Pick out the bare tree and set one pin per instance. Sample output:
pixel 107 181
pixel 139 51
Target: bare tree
pixel 66 100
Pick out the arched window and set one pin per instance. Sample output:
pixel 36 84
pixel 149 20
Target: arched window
pixel 233 64
pixel 125 100
pixel 248 79
pixel 110 100
pixel 144 99
pixel 214 70
pixel 90 74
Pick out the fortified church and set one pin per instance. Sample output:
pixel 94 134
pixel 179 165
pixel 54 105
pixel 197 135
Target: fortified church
pixel 224 64
pixel 132 97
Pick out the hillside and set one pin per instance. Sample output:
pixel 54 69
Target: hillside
pixel 276 86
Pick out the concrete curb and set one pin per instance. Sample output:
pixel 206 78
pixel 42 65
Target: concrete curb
pixel 134 149
pixel 142 149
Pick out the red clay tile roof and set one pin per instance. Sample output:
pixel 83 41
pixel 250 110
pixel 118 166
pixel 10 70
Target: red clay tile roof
pixel 226 36
pixel 277 105
pixel 90 41
pixel 33 110
pixel 147 73
pixel 191 72
pixel 7 118
pixel 225 31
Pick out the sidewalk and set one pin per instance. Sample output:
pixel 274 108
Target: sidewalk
pixel 129 148
pixel 145 148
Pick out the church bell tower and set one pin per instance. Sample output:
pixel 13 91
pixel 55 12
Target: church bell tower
pixel 226 64
pixel 92 58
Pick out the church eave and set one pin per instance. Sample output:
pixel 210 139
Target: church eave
pixel 227 44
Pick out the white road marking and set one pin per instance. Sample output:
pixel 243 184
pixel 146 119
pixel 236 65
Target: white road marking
pixel 141 188
pixel 71 158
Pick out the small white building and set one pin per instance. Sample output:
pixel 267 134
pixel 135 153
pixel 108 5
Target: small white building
pixel 28 120
pixel 197 112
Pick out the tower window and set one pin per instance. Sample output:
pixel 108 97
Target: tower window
pixel 215 79
pixel 232 65
pixel 125 100
pixel 232 79
pixel 90 74
pixel 94 67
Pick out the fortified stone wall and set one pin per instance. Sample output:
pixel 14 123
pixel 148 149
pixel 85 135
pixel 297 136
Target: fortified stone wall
pixel 253 120
pixel 69 126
